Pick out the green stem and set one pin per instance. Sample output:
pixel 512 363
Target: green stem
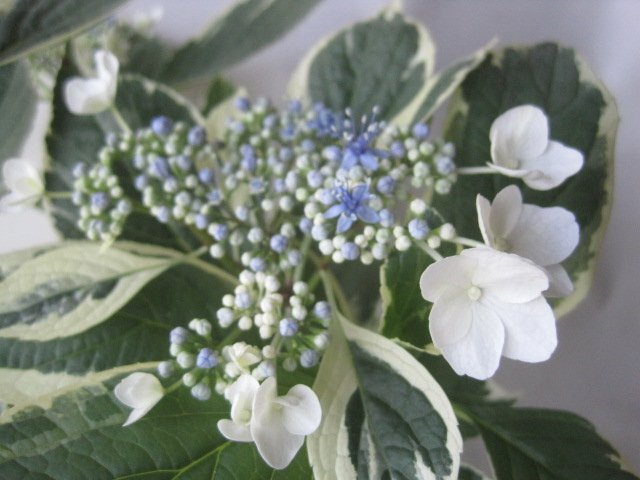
pixel 56 195
pixel 306 244
pixel 117 116
pixel 173 387
pixel 432 252
pixel 468 242
pixel 335 295
pixel 476 171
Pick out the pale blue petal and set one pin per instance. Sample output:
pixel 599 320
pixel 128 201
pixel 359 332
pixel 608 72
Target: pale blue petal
pixel 367 214
pixel 344 224
pixel 334 211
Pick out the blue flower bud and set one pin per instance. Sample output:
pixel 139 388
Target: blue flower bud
pixel 258 264
pixel 183 162
pixel 196 136
pixel 386 218
pixel 79 170
pixel 322 310
pixel 350 251
pixel 420 130
pixel 100 200
pixel 314 178
pixel 219 231
pixel 294 257
pixel 309 358
pixel 256 185
pixel 294 106
pixel 305 226
pixel 206 175
pixel 288 327
pixel 163 214
pixel 332 153
pixel 243 300
pixel 243 104
pixel 214 196
pixel 139 162
pixel 206 358
pixel 201 392
pixel 201 221
pixel 178 335
pixel 141 182
pixel 166 369
pixel 397 149
pixel 159 168
pixel 162 125
pixel 278 185
pixel 445 166
pixel 308 145
pixel 278 243
pixel 386 185
pixel 418 228
pixel 286 154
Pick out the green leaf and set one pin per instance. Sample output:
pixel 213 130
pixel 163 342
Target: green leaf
pixel 384 61
pixel 582 114
pixel 537 444
pixel 244 29
pixel 146 56
pixel 405 314
pixel 18 100
pixel 470 473
pixel 76 139
pixel 34 25
pixel 438 88
pixel 72 288
pixel 384 415
pixel 80 436
pixel 219 91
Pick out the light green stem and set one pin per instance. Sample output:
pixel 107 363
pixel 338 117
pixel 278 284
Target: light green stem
pixel 117 116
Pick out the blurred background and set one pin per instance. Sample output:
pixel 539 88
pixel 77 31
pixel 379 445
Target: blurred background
pixel 595 371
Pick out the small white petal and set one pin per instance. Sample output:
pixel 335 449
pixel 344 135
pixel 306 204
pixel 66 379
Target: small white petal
pixel 446 274
pixel 141 391
pixel 553 167
pixel 234 431
pixel 450 318
pixel 518 134
pixel 505 211
pixel 107 67
pixel 241 394
pixel 560 284
pixel 136 414
pixel 276 444
pixel 483 208
pixel 546 236
pixel 530 329
pixel 301 413
pixel 477 354
pixel 509 277
pixel 86 96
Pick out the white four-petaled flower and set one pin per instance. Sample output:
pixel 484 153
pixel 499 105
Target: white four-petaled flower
pixel 487 304
pixel 277 425
pixel 520 147
pixel 88 96
pixel 24 183
pixel 546 236
pixel 140 391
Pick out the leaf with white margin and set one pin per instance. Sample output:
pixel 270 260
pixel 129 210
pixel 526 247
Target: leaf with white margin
pixel 69 289
pixel 383 413
pixel 382 62
pixel 582 114
pixel 439 87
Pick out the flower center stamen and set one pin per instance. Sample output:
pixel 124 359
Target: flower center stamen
pixel 474 293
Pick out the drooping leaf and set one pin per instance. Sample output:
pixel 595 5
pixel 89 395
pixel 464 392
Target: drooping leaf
pixel 244 29
pixel 18 100
pixel 537 444
pixel 33 25
pixel 384 61
pixel 77 139
pixel 582 114
pixel 384 415
pixel 81 436
pixel 69 289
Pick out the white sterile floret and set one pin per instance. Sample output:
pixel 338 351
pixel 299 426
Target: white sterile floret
pixel 521 148
pixel 487 304
pixel 279 424
pixel 242 355
pixel 241 394
pixel 546 236
pixel 24 183
pixel 140 391
pixel 88 96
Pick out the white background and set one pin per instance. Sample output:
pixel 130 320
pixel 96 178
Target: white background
pixel 596 368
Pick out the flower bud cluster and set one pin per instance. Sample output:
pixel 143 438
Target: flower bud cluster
pixel 102 206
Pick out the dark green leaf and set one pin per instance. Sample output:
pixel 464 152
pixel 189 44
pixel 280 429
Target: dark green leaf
pixel 219 91
pixel 470 473
pixel 38 24
pixel 581 114
pixel 383 62
pixel 146 56
pixel 536 444
pixel 245 29
pixel 18 100
pixel 361 285
pixel 81 436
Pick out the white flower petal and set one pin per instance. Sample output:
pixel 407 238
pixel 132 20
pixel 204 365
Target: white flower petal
pixel 301 412
pixel 136 414
pixel 483 208
pixel 545 236
pixel 477 354
pixel 139 389
pixel 241 394
pixel 560 284
pixel 107 67
pixel 505 211
pixel 450 318
pixel 518 134
pixel 553 167
pixel 276 444
pixel 446 274
pixel 509 277
pixel 234 431
pixel 530 329
pixel 22 178
pixel 86 96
